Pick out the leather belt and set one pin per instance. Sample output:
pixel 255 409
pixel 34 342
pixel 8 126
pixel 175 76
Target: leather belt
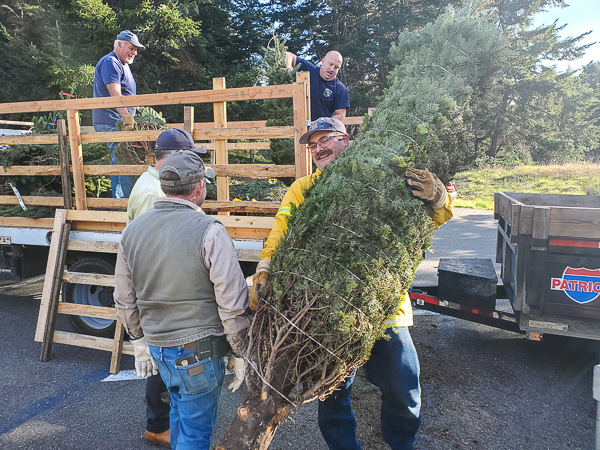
pixel 188 346
pixel 215 346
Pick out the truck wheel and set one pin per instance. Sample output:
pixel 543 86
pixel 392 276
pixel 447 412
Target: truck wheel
pixel 83 294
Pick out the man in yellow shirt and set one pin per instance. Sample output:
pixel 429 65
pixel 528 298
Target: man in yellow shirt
pixel 393 365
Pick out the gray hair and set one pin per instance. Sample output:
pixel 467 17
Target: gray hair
pixel 115 45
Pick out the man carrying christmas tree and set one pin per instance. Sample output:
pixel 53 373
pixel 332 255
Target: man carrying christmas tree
pixel 393 365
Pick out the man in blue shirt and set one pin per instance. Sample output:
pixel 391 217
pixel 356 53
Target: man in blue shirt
pixel 328 96
pixel 113 78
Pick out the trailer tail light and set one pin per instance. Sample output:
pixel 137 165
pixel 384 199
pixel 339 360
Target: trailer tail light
pixel 573 243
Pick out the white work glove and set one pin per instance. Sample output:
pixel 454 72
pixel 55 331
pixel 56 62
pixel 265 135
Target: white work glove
pixel 144 364
pixel 237 366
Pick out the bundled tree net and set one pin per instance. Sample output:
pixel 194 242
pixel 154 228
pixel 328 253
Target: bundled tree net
pixel 352 248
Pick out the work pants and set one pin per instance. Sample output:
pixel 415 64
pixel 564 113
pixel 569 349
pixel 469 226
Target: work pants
pixel 157 405
pixel 394 368
pixel 120 185
pixel 194 398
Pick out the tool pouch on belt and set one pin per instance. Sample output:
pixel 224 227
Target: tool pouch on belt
pixel 212 346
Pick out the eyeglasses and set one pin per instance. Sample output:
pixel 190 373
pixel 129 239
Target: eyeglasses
pixel 323 142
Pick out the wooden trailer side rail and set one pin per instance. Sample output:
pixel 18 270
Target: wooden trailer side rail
pixel 219 133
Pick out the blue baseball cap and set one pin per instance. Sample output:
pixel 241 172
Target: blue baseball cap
pixel 131 37
pixel 177 139
pixel 323 124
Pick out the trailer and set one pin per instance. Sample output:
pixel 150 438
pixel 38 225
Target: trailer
pixel 549 250
pixel 25 243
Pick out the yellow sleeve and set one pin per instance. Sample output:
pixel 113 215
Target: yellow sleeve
pixel 444 214
pixel 294 196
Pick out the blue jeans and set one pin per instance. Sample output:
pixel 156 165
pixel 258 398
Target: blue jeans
pixel 120 185
pixel 194 398
pixel 394 368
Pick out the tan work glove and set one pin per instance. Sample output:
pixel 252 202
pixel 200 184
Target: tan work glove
pixel 260 282
pixel 425 186
pixel 128 122
pixel 238 367
pixel 144 364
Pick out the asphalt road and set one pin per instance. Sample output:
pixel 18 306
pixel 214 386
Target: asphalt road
pixel 483 388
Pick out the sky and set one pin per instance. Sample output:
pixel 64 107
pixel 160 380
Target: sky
pixel 580 16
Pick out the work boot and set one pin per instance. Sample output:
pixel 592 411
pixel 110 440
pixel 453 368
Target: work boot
pixel 161 439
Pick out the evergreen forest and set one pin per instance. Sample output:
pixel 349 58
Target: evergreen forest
pixel 521 111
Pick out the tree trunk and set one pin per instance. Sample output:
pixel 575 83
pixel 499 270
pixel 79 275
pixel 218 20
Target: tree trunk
pixel 255 422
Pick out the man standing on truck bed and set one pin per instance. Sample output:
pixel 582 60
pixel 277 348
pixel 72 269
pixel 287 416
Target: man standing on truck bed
pixel 328 96
pixel 182 297
pixel 146 189
pixel 113 78
pixel 393 365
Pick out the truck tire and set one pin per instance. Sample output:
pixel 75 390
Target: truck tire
pixel 83 294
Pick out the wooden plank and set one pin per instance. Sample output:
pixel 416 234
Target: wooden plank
pixel 301 154
pixel 93 246
pixel 541 217
pixel 56 283
pixel 584 201
pixel 120 136
pixel 60 218
pixel 29 139
pixel 574 222
pixel 199 135
pixel 76 158
pixel 245 133
pixel 265 223
pixel 119 225
pixel 93 279
pixel 233 124
pixel 188 119
pixel 221 155
pixel 109 203
pixel 97 216
pixel 56 202
pixel 26 222
pixel 65 173
pixel 247 207
pixel 30 170
pixel 248 145
pixel 254 170
pixel 86 341
pixel 122 169
pixel 117 351
pixel 207 206
pixel 239 145
pixel 234 170
pixel 100 312
pixel 168 98
pixel 248 233
pixel 99 226
pixel 16 122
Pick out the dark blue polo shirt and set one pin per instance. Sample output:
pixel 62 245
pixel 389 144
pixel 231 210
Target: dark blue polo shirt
pixel 325 96
pixel 110 69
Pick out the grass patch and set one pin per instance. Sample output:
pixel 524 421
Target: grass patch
pixel 476 188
